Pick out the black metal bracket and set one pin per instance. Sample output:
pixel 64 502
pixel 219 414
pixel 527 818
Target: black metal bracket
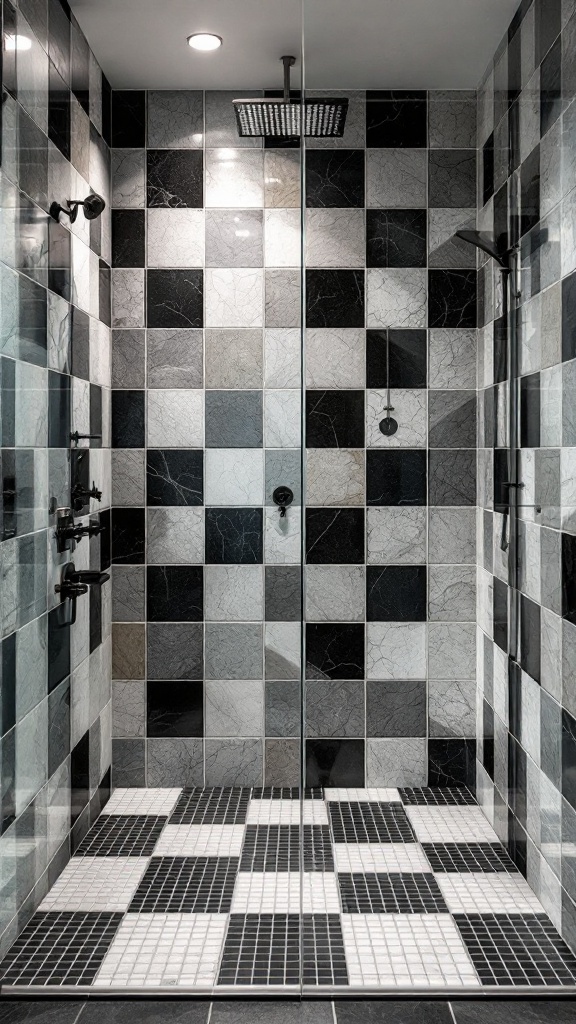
pixel 75 437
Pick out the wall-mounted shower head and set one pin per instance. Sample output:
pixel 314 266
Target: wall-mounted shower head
pixel 482 240
pixel 283 117
pixel 93 206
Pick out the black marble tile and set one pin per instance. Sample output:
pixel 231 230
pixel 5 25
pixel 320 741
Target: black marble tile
pixel 335 762
pixel 452 178
pixel 569 317
pixel 396 357
pixel 59 36
pixel 80 343
pixel 396 593
pixel 105 538
pixel 335 298
pixel 550 88
pixel 335 419
pixel 128 419
pixel 517 781
pixel 175 298
pixel 530 411
pixel 569 577
pixel 530 637
pixel 569 758
pixel 128 536
pixel 488 738
pixel 396 477
pixel 335 536
pixel 7 401
pixel 80 67
pixel 517 1011
pixel 95 630
pixel 8 788
pixel 335 177
pixel 175 177
pixel 59 114
pixel 96 416
pixel 452 762
pixel 334 651
pixel 514 699
pixel 174 593
pixel 80 775
pixel 80 480
pixel 58 726
pixel 548 22
pixel 452 298
pixel 128 238
pixel 10 490
pixel 129 118
pixel 394 1011
pixel 500 350
pixel 58 410
pixel 106 111
pixel 58 646
pixel 59 260
pixel 530 191
pixel 500 613
pixel 174 477
pixel 45 1011
pixel 396 119
pixel 234 536
pixel 451 419
pixel 174 708
pixel 396 238
pixel 8 687
pixel 32 322
pixel 452 477
pixel 104 293
pixel 488 169
pixel 396 707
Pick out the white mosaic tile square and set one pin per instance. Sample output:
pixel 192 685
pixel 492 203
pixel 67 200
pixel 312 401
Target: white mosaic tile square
pixel 372 795
pixel 164 949
pixel 200 841
pixel 371 857
pixel 466 824
pixel 406 950
pixel 488 894
pixel 96 884
pixel 279 893
pixel 287 812
pixel 142 801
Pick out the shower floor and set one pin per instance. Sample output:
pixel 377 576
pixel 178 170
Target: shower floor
pixel 199 890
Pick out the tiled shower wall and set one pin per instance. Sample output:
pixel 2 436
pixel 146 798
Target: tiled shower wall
pixel 207 240
pixel 55 699
pixel 527 195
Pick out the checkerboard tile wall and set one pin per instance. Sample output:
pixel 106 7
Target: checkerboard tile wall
pixel 200 889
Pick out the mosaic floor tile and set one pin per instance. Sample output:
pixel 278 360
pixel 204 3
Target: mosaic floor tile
pixel 186 885
pixel 488 894
pixel 406 950
pixel 269 892
pixel 370 857
pixel 59 949
pixel 450 825
pixel 152 950
pixel 122 836
pixel 390 894
pixel 516 949
pixel 466 857
pixel 369 823
pixel 387 796
pixel 287 812
pixel 277 848
pixel 264 949
pixel 287 793
pixel 439 796
pixel 142 801
pixel 200 841
pixel 211 807
pixel 96 884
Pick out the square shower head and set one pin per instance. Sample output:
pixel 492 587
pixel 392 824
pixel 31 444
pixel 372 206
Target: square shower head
pixel 280 118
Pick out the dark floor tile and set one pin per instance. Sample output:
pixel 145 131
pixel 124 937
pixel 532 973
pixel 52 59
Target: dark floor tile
pixel 271 1012
pixel 145 1011
pixel 391 1011
pixel 508 1011
pixel 43 1012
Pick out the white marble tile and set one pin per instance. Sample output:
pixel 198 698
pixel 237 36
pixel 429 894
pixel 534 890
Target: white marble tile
pixel 234 593
pixel 282 238
pixel 335 357
pixel 335 238
pixel 128 298
pixel 452 358
pixel 396 762
pixel 409 411
pixel 80 274
pixel 282 543
pixel 128 178
pixel 396 650
pixel 175 238
pixel 234 707
pixel 282 419
pixel 234 476
pixel 335 593
pixel 234 178
pixel 282 357
pixel 175 119
pixel 335 476
pixel 234 238
pixel 175 535
pixel 282 178
pixel 175 419
pixel 451 650
pixel 234 298
pixel 221 127
pixel 396 298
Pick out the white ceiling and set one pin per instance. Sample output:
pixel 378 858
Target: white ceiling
pixel 348 44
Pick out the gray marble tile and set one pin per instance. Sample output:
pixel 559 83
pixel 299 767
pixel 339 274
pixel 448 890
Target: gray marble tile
pixel 452 358
pixel 175 536
pixel 282 297
pixel 128 708
pixel 452 593
pixel 335 593
pixel 444 248
pixel 409 408
pixel 530 717
pixel 234 762
pixel 452 707
pixel 396 297
pixel 234 297
pixel 59 333
pixel 335 476
pixel 568 222
pixel 551 407
pixel 57 809
pixel 451 419
pixel 128 359
pixel 281 178
pixel 31 423
pixel 31 665
pixel 233 419
pixel 128 651
pixel 396 178
pixel 128 762
pixel 396 535
pixel 551 738
pixel 175 119
pixel 128 178
pixel 282 650
pixel 31 755
pixel 234 358
pixel 452 535
pixel 79 138
pixel 551 168
pixel 395 708
pixel 283 585
pixel 452 119
pixel 175 761
pixel 221 127
pixel 174 650
pixel 234 178
pixel 233 651
pixel 354 136
pixel 396 650
pixel 282 762
pixel 451 650
pixel 233 593
pixel 335 238
pixel 550 570
pixel 282 707
pixel 234 238
pixel 128 484
pixel 32 75
pixel 175 238
pixel 335 357
pixel 234 476
pixel 283 466
pixel 127 298
pixel 128 586
pixel 452 178
pixel 175 419
pixel 234 708
pixel 174 358
pixel 396 762
pixel 334 708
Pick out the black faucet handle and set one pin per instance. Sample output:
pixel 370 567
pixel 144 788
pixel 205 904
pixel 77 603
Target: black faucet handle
pixel 89 577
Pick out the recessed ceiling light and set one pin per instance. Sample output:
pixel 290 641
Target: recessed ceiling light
pixel 204 41
pixel 14 42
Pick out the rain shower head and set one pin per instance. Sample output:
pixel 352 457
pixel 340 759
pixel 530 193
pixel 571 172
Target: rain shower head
pixel 482 240
pixel 281 117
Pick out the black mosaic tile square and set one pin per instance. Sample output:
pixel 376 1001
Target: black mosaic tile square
pixel 60 949
pixel 264 949
pixel 516 949
pixel 219 806
pixel 130 835
pixel 370 823
pixel 287 793
pixel 468 857
pixel 394 893
pixel 186 885
pixel 422 796
pixel 277 848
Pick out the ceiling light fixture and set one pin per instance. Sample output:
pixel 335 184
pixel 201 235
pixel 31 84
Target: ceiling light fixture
pixel 204 41
pixel 15 42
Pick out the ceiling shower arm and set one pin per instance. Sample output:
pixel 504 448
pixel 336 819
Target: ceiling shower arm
pixel 288 63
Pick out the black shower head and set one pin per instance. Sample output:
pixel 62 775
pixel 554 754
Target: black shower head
pixel 93 206
pixel 283 117
pixel 482 240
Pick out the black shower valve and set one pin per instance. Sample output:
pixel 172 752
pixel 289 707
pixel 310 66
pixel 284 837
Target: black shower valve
pixel 81 495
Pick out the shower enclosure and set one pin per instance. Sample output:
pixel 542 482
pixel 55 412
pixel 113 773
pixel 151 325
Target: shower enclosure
pixel 288 535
